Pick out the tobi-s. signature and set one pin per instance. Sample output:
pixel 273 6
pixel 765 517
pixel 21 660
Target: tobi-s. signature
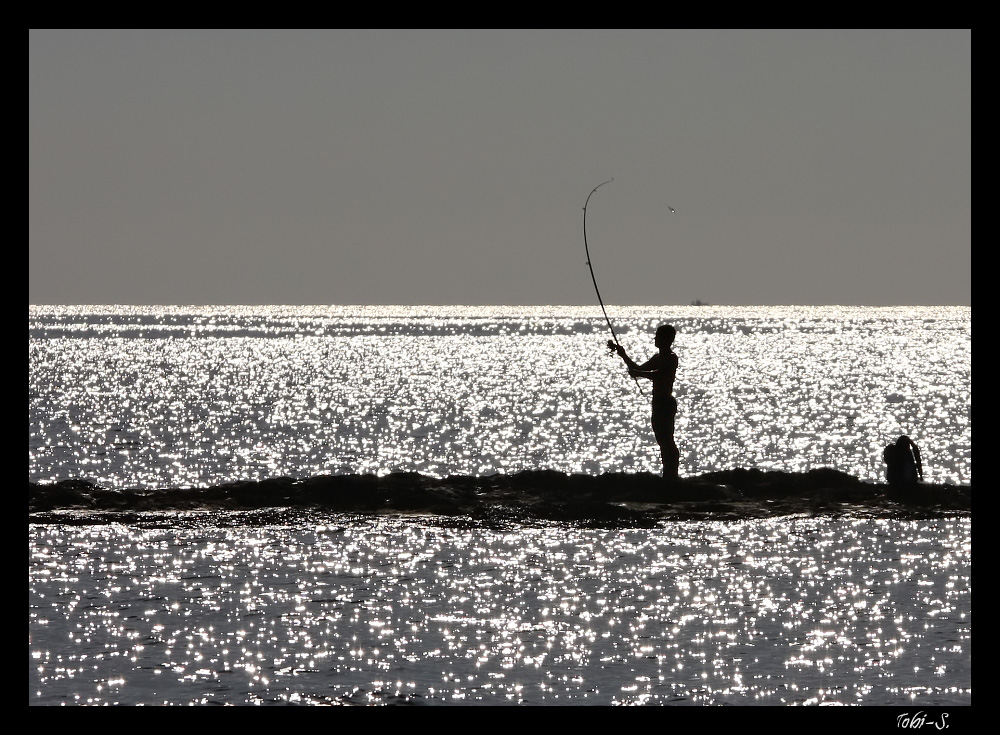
pixel 921 719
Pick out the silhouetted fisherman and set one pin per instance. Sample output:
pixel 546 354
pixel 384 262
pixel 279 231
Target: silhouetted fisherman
pixel 902 463
pixel 661 369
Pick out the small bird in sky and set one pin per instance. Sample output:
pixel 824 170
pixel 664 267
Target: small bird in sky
pixel 672 210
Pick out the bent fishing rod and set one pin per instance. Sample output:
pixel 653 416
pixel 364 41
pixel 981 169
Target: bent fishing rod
pixel 611 346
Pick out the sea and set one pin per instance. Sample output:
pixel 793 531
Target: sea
pixel 279 604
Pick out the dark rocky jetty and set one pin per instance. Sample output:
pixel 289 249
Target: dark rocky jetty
pixel 612 499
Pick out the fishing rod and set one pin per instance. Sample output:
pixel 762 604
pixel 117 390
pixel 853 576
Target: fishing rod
pixel 616 344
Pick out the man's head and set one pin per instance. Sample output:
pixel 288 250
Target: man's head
pixel 665 336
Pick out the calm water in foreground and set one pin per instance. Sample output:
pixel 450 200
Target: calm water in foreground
pixel 193 608
pixel 784 611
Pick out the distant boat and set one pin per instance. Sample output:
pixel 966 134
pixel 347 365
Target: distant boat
pixel 699 302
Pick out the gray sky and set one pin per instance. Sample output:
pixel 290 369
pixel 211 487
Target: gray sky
pixel 438 167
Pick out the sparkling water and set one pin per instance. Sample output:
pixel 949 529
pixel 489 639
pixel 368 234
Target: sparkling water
pixel 159 396
pixel 348 609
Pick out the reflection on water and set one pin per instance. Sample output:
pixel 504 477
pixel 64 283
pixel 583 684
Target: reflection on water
pixel 346 610
pixel 177 396
pixel 779 611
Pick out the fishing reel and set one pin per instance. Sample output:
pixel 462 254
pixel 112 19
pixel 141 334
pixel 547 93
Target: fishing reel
pixel 612 347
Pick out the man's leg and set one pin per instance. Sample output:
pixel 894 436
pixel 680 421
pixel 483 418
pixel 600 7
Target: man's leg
pixel 663 430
